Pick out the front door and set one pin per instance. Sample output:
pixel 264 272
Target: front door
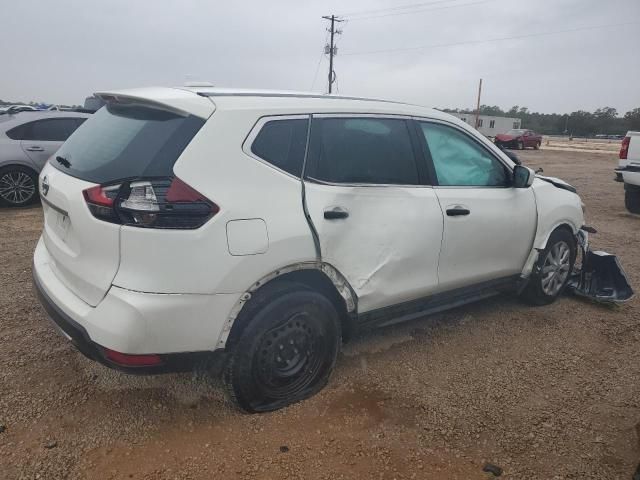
pixel 377 220
pixel 489 226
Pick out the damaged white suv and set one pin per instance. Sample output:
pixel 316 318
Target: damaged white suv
pixel 269 226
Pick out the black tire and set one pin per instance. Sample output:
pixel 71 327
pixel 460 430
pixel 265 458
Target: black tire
pixel 284 349
pixel 632 198
pixel 538 291
pixel 18 186
pixel 520 145
pixel 537 146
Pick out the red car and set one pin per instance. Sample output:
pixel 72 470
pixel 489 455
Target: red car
pixel 519 138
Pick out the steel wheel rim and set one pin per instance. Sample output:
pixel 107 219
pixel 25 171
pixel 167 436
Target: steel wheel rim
pixel 291 357
pixel 555 269
pixel 16 187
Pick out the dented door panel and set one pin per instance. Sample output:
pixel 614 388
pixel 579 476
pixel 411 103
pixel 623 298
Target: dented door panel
pixel 388 243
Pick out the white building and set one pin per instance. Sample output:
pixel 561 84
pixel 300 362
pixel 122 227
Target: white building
pixel 488 125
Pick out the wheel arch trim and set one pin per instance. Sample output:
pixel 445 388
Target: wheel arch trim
pixel 541 243
pixel 338 280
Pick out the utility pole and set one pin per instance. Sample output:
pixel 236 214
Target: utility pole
pixel 478 104
pixel 331 49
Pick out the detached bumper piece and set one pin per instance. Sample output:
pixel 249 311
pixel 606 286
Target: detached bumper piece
pixel 601 277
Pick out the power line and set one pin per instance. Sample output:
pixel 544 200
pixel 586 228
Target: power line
pixel 393 14
pixel 399 7
pixel 499 39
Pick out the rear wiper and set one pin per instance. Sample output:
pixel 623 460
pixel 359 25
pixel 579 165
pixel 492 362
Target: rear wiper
pixel 63 161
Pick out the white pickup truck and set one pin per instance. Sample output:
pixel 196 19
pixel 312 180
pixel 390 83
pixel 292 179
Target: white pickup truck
pixel 628 171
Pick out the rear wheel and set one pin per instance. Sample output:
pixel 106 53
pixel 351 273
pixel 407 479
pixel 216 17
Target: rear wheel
pixel 537 146
pixel 286 350
pixel 553 269
pixel 18 186
pixel 632 198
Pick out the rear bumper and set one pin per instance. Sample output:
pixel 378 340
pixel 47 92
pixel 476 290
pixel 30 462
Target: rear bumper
pixel 629 174
pixel 173 362
pixel 182 329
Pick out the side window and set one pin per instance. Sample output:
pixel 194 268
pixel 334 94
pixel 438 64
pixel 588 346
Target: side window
pixel 492 124
pixel 53 129
pixel 362 150
pixel 282 144
pixel 459 160
pixel 479 122
pixel 21 132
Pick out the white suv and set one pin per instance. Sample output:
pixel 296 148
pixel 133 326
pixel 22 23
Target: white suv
pixel 267 226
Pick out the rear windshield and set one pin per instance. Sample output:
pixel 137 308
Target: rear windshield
pixel 120 142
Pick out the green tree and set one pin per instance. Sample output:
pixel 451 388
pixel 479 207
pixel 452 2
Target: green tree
pixel 632 119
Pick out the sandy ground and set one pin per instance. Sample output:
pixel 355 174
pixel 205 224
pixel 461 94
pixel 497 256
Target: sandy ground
pixel 545 393
pixel 586 145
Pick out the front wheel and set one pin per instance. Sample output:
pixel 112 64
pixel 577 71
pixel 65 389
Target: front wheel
pixel 553 269
pixel 537 146
pixel 287 349
pixel 18 186
pixel 520 145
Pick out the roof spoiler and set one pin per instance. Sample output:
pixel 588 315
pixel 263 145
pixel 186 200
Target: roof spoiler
pixel 133 101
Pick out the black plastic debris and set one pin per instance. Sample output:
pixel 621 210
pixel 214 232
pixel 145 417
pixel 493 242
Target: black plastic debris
pixel 284 448
pixel 491 468
pixel 601 278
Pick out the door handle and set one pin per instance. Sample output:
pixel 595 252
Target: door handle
pixel 35 148
pixel 458 211
pixel 335 214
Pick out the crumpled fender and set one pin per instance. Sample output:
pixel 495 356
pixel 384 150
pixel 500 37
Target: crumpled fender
pixel 556 207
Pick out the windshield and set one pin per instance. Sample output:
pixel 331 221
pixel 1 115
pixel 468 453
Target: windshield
pixel 120 142
pixel 516 132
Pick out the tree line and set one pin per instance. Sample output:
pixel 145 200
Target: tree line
pixel 604 121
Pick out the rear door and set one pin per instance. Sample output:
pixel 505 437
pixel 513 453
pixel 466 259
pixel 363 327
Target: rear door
pixel 489 226
pixel 378 221
pixel 116 143
pixel 44 137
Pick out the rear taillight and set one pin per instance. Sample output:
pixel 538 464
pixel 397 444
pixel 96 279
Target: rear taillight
pixel 155 203
pixel 100 201
pixel 624 148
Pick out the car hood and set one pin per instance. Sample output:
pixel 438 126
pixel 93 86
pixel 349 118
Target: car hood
pixel 557 183
pixel 503 137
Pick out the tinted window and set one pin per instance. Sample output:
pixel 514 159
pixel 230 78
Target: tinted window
pixel 20 132
pixel 459 160
pixel 120 142
pixel 52 130
pixel 282 143
pixel 362 150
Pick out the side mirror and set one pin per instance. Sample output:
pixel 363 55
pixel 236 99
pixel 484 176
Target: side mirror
pixel 522 177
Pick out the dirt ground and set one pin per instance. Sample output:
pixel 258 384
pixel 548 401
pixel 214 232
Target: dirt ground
pixel 545 393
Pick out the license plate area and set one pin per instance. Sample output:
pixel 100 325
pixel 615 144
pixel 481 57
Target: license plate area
pixel 59 223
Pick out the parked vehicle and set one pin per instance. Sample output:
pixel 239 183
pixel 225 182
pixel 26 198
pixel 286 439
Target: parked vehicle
pixel 628 170
pixel 27 140
pixel 7 109
pixel 263 228
pixel 519 138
